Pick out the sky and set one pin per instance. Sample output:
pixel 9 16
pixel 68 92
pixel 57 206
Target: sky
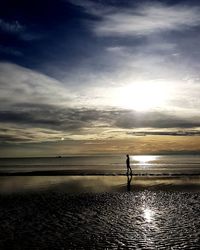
pixel 81 77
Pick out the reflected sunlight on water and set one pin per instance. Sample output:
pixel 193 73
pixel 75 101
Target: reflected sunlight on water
pixel 144 160
pixel 148 214
pixel 142 164
pixel 131 220
pixel 71 184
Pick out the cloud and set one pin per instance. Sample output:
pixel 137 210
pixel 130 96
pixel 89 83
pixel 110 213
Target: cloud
pixel 22 85
pixel 19 134
pixel 167 133
pixel 20 31
pixel 72 119
pixel 13 27
pixel 96 8
pixel 46 123
pixel 147 20
pixel 143 19
pixel 64 119
pixel 131 119
pixel 31 101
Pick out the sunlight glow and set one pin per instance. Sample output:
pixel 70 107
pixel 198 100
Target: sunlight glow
pixel 144 159
pixel 148 215
pixel 144 96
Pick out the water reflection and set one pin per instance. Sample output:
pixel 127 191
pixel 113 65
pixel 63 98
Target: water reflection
pixel 69 184
pixel 129 179
pixel 144 159
pixel 13 184
pixel 148 214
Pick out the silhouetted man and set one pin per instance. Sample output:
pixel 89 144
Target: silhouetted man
pixel 129 170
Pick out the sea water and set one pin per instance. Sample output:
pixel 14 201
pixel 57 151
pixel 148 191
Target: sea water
pixel 145 164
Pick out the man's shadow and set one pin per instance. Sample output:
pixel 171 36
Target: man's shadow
pixel 129 179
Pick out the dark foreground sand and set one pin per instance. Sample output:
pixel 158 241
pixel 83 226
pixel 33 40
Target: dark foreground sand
pixel 140 219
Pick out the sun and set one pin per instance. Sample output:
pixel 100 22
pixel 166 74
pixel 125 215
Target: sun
pixel 143 96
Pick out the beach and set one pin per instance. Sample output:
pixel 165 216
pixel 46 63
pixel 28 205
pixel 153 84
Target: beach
pixel 98 212
pixel 90 203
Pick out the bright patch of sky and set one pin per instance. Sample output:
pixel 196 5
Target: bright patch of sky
pixel 98 69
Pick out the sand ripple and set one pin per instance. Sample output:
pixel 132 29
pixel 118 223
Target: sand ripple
pixel 134 220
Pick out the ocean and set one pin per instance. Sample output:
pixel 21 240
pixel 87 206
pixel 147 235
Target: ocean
pixel 140 164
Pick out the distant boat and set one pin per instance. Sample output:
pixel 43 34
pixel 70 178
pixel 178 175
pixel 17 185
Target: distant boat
pixel 59 156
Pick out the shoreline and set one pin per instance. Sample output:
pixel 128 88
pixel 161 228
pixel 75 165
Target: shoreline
pixel 96 184
pixel 91 173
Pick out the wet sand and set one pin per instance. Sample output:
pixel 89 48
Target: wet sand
pixel 69 214
pixel 102 172
pixel 81 184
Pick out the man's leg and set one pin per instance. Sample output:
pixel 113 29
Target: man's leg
pixel 127 172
